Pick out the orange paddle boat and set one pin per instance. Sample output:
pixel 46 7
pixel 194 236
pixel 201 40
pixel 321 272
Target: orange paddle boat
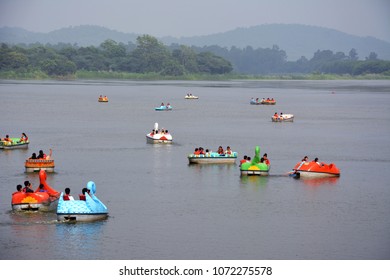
pixel 42 199
pixel 314 169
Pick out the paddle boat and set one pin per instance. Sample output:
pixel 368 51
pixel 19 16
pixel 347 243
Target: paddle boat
pixel 89 210
pixel 268 101
pixel 163 107
pixel 42 199
pixel 201 157
pixel 44 162
pixel 282 117
pixel 35 165
pixel 263 101
pixel 255 101
pixel 10 143
pixel 314 169
pixel 159 136
pixel 190 96
pixel 255 166
pixel 103 99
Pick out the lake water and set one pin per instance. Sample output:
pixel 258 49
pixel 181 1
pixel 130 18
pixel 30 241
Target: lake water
pixel 162 208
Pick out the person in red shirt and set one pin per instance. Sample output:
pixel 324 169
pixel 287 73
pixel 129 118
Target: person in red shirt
pixel 266 160
pixel 243 160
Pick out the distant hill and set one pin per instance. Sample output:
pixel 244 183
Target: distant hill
pixel 297 40
pixel 83 36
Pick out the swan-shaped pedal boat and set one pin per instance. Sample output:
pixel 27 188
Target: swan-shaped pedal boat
pixel 89 210
pixel 314 170
pixel 14 143
pixel 159 136
pixel 45 199
pixel 255 167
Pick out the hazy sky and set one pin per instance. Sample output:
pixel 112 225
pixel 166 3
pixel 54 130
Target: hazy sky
pixel 197 17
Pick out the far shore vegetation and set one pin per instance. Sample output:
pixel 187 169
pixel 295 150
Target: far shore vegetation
pixel 105 75
pixel 149 59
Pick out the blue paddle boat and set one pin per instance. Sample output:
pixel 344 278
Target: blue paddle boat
pixel 88 210
pixel 163 107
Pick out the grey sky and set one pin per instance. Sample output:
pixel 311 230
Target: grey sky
pixel 197 17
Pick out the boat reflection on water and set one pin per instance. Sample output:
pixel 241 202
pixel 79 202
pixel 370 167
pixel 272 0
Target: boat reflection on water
pixel 315 182
pixel 253 181
pixel 81 235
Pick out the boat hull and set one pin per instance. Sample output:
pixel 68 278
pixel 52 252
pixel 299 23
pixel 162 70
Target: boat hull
pixel 191 97
pixel 35 165
pixel 163 108
pixel 81 217
pixel 159 139
pixel 254 173
pixel 312 174
pixel 214 158
pixel 42 207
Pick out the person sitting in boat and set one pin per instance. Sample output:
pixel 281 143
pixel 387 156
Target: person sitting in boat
pixel 276 116
pixel 27 187
pixel 196 152
pixel 201 151
pixel 23 138
pixel 316 161
pixel 162 104
pixel 84 191
pixel 42 155
pixel 168 105
pixel 244 159
pixel 166 131
pixel 67 195
pixel 207 154
pixel 7 139
pixel 33 156
pixel 41 188
pixel 248 159
pixel 228 150
pixel 220 150
pixel 18 189
pixel 266 160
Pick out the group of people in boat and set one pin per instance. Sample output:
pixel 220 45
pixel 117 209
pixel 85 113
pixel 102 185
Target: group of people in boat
pixel 159 131
pixel 278 116
pixel 163 105
pixel 41 155
pixel 262 100
pixel 22 139
pixel 82 196
pixel 207 152
pixel 263 159
pixel 28 188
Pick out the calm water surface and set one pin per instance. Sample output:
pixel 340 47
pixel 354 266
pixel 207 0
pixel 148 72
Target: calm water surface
pixel 162 208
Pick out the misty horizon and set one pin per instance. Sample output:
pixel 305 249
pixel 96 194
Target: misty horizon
pixel 180 18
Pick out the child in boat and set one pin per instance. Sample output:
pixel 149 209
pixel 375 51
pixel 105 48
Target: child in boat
pixel 23 139
pixel 67 195
pixel 27 187
pixel 228 150
pixel 220 150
